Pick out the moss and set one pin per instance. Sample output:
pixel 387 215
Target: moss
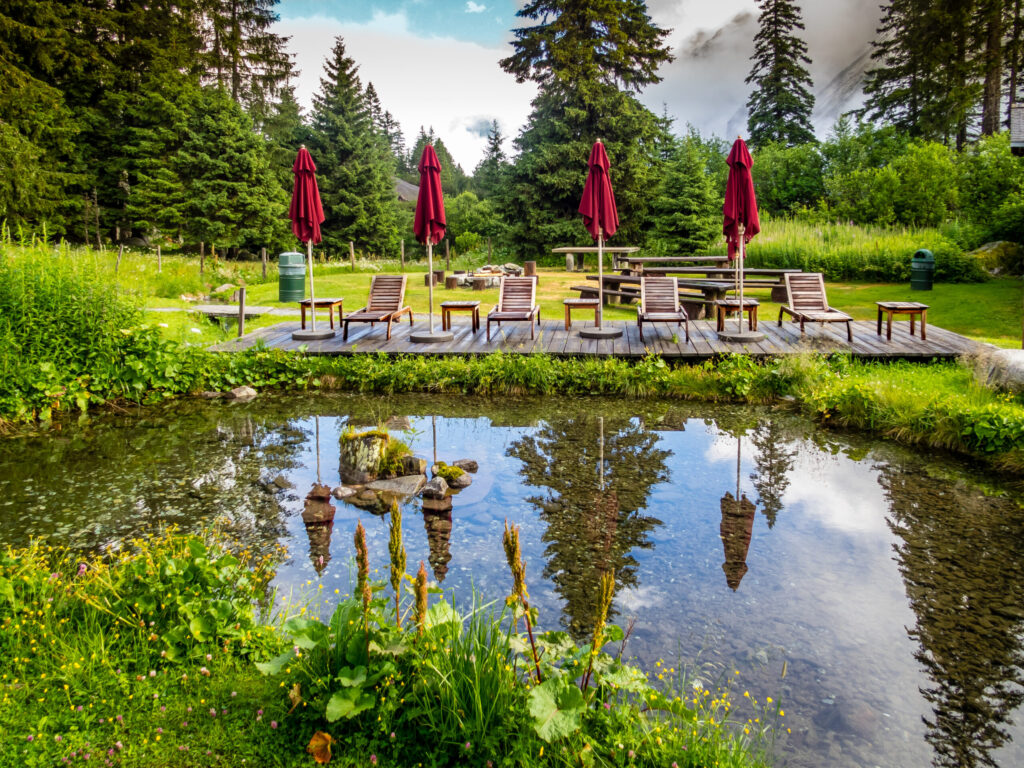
pixel 449 473
pixel 351 434
pixel 391 459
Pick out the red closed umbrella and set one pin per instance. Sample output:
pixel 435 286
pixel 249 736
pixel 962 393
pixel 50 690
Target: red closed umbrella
pixel 600 216
pixel 307 214
pixel 740 210
pixel 429 225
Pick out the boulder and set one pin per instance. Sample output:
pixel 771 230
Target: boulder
pixel 408 485
pixel 211 395
pixel 462 481
pixel 342 492
pixel 1000 257
pixel 437 505
pixel 414 465
pixel 317 511
pixel 1001 369
pixel 225 288
pixel 359 457
pixel 435 489
pixel 400 423
pixel 466 465
pixel 138 241
pixel 242 394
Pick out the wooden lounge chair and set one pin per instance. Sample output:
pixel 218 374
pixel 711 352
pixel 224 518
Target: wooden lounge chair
pixel 517 300
pixel 384 305
pixel 659 303
pixel 806 301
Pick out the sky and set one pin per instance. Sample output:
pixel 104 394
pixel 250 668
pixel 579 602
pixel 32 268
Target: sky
pixel 435 62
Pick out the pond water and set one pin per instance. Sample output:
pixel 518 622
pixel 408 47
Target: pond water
pixel 877 594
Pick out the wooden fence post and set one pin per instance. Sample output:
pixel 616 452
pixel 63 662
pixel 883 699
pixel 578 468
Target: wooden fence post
pixel 447 255
pixel 241 310
pixel 159 259
pixel 352 254
pixel 263 259
pixel 488 250
pixel 120 251
pixel 202 256
pixel 403 255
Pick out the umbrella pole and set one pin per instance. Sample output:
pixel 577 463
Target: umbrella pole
pixel 739 280
pixel 600 276
pixel 312 295
pixel 318 450
pixel 430 282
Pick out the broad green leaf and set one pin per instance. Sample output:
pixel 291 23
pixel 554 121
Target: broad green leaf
pixel 351 677
pixel 306 633
pixel 202 628
pixel 348 703
pixel 276 664
pixel 624 677
pixel 556 706
pixel 613 633
pixel 442 613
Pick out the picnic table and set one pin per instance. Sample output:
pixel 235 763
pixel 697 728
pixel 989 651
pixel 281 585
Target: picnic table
pixel 614 250
pixel 628 262
pixel 753 277
pixel 697 296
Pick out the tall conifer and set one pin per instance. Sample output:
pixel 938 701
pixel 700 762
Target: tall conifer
pixel 780 107
pixel 490 172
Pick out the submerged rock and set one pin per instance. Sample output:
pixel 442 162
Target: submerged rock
pixel 342 492
pixel 466 465
pixel 360 457
pixel 242 394
pixel 408 485
pixel 414 465
pixel 435 489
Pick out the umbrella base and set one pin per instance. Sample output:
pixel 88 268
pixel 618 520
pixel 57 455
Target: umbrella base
pixel 311 335
pixel 427 337
pixel 741 336
pixel 600 333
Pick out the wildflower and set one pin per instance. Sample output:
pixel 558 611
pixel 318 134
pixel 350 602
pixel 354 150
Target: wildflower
pixel 204 671
pixel 259 713
pixel 159 730
pixel 213 712
pixel 119 745
pixel 233 694
pixel 82 567
pixel 163 708
pixel 392 736
pixel 57 737
pixel 119 718
pixel 31 737
pixel 373 759
pixel 273 724
pixel 467 746
pixel 209 657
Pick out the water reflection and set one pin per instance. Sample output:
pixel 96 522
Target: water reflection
pixel 595 495
pixel 773 461
pixel 962 560
pixel 736 529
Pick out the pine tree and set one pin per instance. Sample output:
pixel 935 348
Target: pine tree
pixel 354 168
pixel 587 61
pixel 373 108
pixel 780 107
pixel 990 41
pixel 686 214
pixel 454 180
pixel 490 172
pixel 396 141
pixel 285 132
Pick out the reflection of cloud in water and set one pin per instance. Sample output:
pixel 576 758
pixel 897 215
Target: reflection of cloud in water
pixel 641 598
pixel 841 494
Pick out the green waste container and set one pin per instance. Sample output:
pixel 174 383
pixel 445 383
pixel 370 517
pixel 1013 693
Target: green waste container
pixel 922 270
pixel 292 269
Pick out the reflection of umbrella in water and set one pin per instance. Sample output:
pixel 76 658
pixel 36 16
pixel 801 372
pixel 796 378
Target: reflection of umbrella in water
pixel 318 515
pixel 737 526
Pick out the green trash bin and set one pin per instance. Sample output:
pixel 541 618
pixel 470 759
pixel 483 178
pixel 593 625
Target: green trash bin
pixel 292 269
pixel 922 270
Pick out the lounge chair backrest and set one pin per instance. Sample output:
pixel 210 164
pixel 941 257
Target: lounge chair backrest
pixel 659 294
pixel 806 292
pixel 517 294
pixel 386 293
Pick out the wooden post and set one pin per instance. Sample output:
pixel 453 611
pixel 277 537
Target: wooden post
pixel 352 254
pixel 488 250
pixel 403 255
pixel 202 256
pixel 447 256
pixel 263 259
pixel 241 310
pixel 159 259
pixel 120 251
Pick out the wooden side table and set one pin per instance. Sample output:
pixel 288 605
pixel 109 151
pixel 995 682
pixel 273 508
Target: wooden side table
pixel 571 304
pixel 328 304
pixel 728 306
pixel 912 308
pixel 447 307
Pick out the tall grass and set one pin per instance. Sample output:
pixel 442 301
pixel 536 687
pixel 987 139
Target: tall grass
pixel 851 252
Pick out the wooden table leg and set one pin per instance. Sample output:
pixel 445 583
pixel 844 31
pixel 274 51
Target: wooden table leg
pixel 888 326
pixel 719 318
pixel 879 329
pixel 924 324
pixel 912 318
pixel 568 322
pixel 446 318
pixel 752 323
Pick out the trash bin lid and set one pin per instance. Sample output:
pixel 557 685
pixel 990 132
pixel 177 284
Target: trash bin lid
pixel 291 258
pixel 924 254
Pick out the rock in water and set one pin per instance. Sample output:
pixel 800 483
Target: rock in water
pixel 435 489
pixel 242 394
pixel 466 465
pixel 360 457
pixel 406 486
pixel 414 465
pixel 342 492
pixel 462 481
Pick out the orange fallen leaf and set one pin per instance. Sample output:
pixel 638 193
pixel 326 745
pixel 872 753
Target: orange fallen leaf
pixel 320 747
pixel 295 697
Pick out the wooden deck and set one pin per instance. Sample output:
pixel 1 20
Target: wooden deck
pixel 552 339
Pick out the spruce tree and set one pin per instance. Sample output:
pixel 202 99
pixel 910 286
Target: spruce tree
pixel 454 180
pixel 780 107
pixel 285 132
pixel 490 172
pixel 354 169
pixel 685 214
pixel 588 59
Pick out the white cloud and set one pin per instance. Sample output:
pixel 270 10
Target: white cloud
pixel 472 7
pixel 431 81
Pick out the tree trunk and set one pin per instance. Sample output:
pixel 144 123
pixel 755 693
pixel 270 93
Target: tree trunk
pixel 202 256
pixel 403 255
pixel 263 261
pixel 1014 55
pixel 96 213
pixel 993 67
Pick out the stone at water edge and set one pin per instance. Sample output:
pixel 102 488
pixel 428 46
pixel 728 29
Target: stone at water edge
pixel 462 481
pixel 342 492
pixel 1001 369
pixel 359 458
pixel 242 394
pixel 414 465
pixel 435 489
pixel 398 423
pixel 466 465
pixel 409 485
pixel 211 395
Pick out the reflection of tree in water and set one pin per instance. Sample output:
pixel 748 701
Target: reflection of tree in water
pixel 590 529
pixel 773 462
pixel 735 530
pixel 961 555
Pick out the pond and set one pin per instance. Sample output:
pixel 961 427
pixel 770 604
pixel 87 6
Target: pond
pixel 877 593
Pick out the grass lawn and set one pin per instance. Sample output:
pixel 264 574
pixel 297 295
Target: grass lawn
pixel 988 311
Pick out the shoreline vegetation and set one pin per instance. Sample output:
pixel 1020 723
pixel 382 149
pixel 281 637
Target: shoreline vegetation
pixel 171 651
pixel 72 340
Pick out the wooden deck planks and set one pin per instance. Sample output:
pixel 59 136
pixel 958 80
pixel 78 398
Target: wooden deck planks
pixel 551 338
